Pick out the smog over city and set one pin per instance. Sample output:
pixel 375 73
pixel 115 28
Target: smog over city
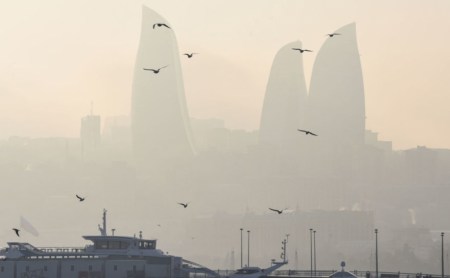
pixel 182 138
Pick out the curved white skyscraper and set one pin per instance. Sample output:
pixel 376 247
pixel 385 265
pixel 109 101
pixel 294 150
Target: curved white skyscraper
pixel 336 105
pixel 285 99
pixel 284 111
pixel 160 123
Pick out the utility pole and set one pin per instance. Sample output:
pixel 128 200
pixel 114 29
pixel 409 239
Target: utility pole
pixel 241 248
pixel 248 260
pixel 310 240
pixel 376 253
pixel 442 255
pixel 315 254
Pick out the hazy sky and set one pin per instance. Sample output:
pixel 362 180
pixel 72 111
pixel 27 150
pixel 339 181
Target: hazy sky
pixel 57 56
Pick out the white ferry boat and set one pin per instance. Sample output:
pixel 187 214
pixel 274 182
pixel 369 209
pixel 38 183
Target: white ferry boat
pixel 107 256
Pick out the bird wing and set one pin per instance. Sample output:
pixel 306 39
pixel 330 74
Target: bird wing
pixel 154 26
pixel 302 130
pixel 313 134
pixel 296 49
pixel 274 210
pixel 181 204
pixel 308 50
pixel 150 69
pixel 79 197
pixel 336 34
pixel 163 67
pixel 186 54
pixel 166 25
pixel 17 232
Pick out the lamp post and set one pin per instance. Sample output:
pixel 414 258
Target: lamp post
pixel 442 255
pixel 310 240
pixel 248 259
pixel 314 253
pixel 241 247
pixel 376 253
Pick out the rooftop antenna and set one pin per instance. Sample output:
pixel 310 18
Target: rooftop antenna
pixel 140 234
pixel 113 230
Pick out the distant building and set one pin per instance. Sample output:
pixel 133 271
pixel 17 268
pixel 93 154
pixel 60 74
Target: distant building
pixel 90 132
pixel 161 131
pixel 284 110
pixel 336 95
pixel 117 129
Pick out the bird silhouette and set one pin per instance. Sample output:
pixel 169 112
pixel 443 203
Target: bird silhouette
pixel 302 50
pixel 156 71
pixel 279 211
pixel 333 34
pixel 307 132
pixel 190 55
pixel 81 199
pixel 159 225
pixel 160 25
pixel 17 231
pixel 184 205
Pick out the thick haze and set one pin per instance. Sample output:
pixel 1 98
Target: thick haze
pixel 56 57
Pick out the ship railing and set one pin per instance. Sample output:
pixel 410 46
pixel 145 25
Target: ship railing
pixel 61 249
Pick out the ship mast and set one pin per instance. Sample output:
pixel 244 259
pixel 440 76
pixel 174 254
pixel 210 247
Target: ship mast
pixel 103 230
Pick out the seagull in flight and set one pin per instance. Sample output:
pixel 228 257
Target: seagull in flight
pixel 279 211
pixel 156 71
pixel 190 55
pixel 302 50
pixel 307 132
pixel 17 232
pixel 160 25
pixel 184 205
pixel 334 34
pixel 81 199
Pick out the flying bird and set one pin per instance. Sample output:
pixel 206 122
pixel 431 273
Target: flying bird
pixel 159 225
pixel 307 132
pixel 302 50
pixel 81 199
pixel 156 71
pixel 190 55
pixel 184 205
pixel 279 211
pixel 160 25
pixel 17 231
pixel 334 34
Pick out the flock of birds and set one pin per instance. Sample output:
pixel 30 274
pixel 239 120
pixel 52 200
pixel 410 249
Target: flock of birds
pixel 189 55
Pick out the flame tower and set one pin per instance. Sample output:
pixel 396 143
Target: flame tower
pixel 161 129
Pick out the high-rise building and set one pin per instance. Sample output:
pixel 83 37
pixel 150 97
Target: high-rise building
pixel 284 108
pixel 336 95
pixel 90 132
pixel 285 99
pixel 159 118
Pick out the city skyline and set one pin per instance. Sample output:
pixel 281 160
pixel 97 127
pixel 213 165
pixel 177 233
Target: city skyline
pixel 402 87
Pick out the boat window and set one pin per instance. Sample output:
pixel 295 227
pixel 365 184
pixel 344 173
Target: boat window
pixel 246 271
pixel 147 245
pixel 113 244
pixel 101 244
pixel 124 245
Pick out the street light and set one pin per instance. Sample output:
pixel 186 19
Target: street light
pixel 248 260
pixel 442 255
pixel 241 248
pixel 376 253
pixel 310 240
pixel 314 253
